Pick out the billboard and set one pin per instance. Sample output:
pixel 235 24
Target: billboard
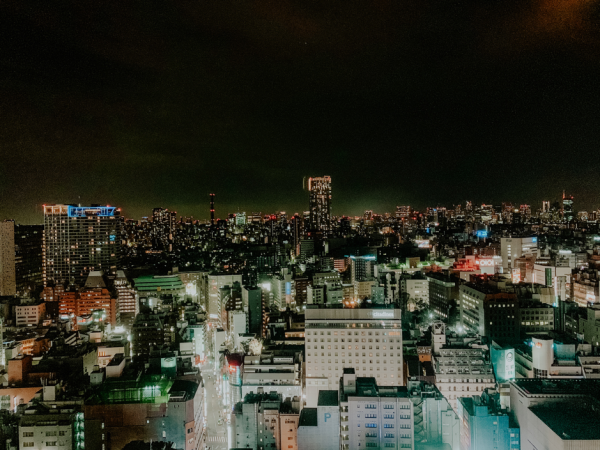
pixel 422 243
pixel 482 233
pixel 503 361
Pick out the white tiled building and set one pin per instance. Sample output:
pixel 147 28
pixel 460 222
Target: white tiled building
pixel 368 340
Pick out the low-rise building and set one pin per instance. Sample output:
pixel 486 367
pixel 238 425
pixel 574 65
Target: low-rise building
pixel 150 407
pixel 264 421
pixel 30 314
pixel 462 371
pixel 484 425
pixel 273 373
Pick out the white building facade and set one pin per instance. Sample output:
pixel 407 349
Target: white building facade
pixel 368 340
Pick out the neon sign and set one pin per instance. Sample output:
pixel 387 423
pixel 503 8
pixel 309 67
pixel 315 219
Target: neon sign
pixel 485 262
pixel 482 233
pixel 84 211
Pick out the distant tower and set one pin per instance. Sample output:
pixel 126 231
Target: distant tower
pixel 567 207
pixel 212 209
pixel 319 190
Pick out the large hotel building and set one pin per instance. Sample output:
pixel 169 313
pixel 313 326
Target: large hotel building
pixel 369 340
pixel 78 240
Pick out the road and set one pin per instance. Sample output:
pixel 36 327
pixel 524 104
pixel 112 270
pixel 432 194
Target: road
pixel 217 435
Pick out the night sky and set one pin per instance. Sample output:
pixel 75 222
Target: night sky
pixel 142 104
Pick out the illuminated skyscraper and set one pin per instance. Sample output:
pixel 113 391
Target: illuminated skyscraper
pixel 163 228
pixel 567 207
pixel 319 189
pixel 78 240
pixel 545 206
pixel 7 258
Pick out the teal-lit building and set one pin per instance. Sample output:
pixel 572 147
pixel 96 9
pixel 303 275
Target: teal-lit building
pixel 484 425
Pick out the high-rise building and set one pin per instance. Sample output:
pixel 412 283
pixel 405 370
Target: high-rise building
pixel 29 244
pixel 78 240
pixel 319 189
pixel 7 258
pixel 545 206
pixel 368 340
pixel 163 228
pixel 127 303
pixel 567 207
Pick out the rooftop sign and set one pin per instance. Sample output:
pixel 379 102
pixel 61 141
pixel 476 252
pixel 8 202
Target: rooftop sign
pixel 382 314
pixel 84 211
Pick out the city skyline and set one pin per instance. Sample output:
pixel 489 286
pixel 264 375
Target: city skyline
pixel 201 211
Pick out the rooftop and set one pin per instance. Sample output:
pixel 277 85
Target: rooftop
pixel 538 386
pixel 149 283
pixel 308 417
pixel 328 398
pixel 570 420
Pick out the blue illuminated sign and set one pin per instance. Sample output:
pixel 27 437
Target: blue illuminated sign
pixel 366 258
pixel 288 288
pixel 112 237
pixel 482 233
pixel 84 211
pixel 534 239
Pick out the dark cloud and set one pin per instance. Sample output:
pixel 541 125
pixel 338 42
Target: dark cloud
pixel 156 103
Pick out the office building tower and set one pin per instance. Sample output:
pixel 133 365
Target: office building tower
pixel 29 260
pixel 362 267
pixel 443 294
pixel 7 258
pixel 367 339
pixel 212 209
pixel 546 206
pixel 127 303
pixel 319 189
pixel 163 229
pixel 567 207
pixel 240 219
pixel 487 311
pixel 78 240
pixel 296 230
